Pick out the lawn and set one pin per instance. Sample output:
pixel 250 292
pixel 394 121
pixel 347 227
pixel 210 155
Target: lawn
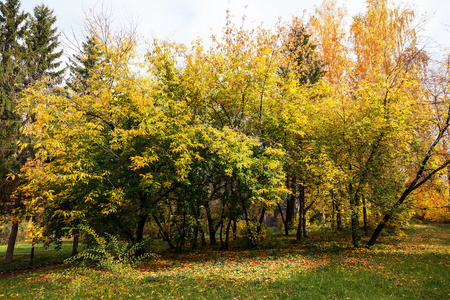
pixel 413 266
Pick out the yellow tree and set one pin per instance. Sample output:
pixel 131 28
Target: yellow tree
pixel 261 82
pixel 329 33
pixel 374 102
pixel 431 154
pixel 111 149
pixel 100 153
pixel 234 84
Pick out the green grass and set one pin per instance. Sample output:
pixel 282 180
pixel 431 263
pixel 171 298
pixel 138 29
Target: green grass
pixel 43 256
pixel 415 266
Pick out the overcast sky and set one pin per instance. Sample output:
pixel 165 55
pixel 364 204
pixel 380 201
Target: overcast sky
pixel 185 20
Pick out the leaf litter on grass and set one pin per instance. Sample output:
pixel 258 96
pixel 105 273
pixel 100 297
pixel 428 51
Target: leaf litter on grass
pixel 233 266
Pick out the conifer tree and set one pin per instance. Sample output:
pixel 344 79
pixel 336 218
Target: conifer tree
pixel 42 44
pixel 83 64
pixel 12 32
pixel 28 52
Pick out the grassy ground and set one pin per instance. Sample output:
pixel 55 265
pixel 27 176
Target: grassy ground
pixel 415 266
pixel 43 257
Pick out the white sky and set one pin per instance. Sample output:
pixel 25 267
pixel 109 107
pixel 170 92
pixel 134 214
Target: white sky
pixel 185 20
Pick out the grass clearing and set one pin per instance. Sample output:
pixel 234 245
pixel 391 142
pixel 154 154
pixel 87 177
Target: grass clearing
pixel 415 266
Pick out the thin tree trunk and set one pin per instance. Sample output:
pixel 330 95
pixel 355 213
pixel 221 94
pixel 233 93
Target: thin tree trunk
pixel 12 237
pixel 366 228
pixel 290 204
pixel 333 213
pixel 387 216
pixel 247 222
pixel 354 218
pixel 222 244
pixel 338 217
pixel 261 219
pixel 163 233
pixel 301 214
pixel 286 227
pixel 227 235
pixel 324 219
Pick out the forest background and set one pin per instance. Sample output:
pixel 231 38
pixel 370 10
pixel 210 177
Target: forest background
pixel 306 123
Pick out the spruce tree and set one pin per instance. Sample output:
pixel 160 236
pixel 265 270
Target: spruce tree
pixel 83 65
pixel 28 53
pixel 12 31
pixel 12 68
pixel 42 44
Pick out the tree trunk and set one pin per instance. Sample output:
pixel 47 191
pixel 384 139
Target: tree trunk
pixel 227 235
pixel 286 227
pixel 412 186
pixel 164 234
pixel 290 205
pixel 333 213
pixel 140 233
pixel 11 244
pixel 324 218
pixel 290 212
pixel 202 233
pixel 75 243
pixel 251 237
pixel 354 218
pixel 338 217
pixel 222 244
pixel 211 227
pixel 12 237
pixel 366 228
pixel 140 227
pixel 301 229
pixel 304 226
pixel 33 243
pixel 261 219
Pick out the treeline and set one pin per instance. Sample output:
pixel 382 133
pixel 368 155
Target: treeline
pixel 192 143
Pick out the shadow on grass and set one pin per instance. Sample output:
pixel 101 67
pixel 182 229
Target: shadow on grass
pixel 43 257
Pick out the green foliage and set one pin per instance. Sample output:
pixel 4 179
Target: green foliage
pixel 255 234
pixel 5 230
pixel 42 44
pixel 118 258
pixel 12 59
pixel 307 69
pixel 83 65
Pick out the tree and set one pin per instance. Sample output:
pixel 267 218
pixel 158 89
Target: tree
pixel 330 36
pixel 115 153
pixel 430 159
pixel 27 54
pixel 12 54
pixel 42 44
pixel 304 67
pixel 83 65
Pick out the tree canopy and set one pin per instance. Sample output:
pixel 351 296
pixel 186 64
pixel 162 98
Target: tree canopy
pixel 307 118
